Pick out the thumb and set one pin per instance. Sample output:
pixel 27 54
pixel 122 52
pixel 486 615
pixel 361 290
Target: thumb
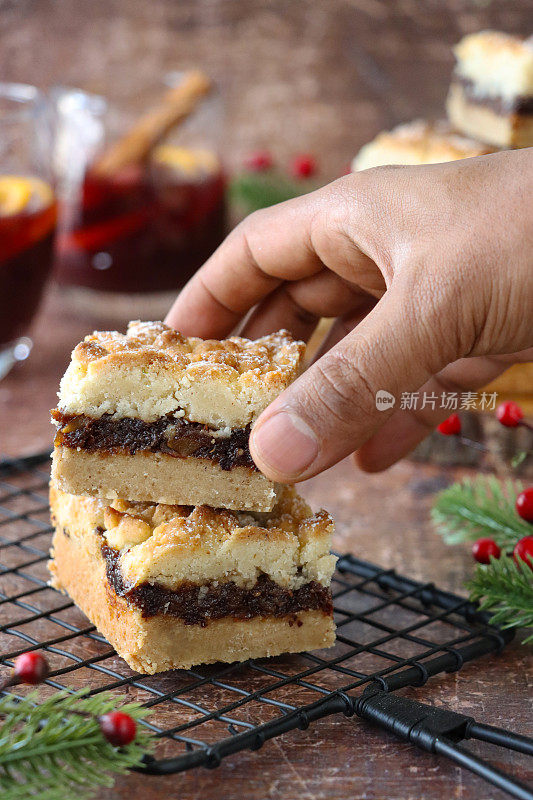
pixel 331 410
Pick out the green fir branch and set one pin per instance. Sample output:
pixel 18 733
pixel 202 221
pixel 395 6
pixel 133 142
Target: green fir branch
pixel 251 191
pixel 505 588
pixel 484 507
pixel 52 751
pixel 519 458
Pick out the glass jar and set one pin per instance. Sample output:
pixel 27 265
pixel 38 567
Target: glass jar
pixel 146 227
pixel 27 214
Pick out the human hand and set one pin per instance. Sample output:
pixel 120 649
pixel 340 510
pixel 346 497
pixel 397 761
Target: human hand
pixel 429 271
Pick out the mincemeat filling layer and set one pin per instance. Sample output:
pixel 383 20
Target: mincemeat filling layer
pixel 196 605
pixel 519 104
pixel 175 437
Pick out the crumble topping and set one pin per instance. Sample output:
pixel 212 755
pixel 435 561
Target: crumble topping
pixel 276 353
pixel 173 545
pixel 152 371
pixel 418 142
pixel 500 64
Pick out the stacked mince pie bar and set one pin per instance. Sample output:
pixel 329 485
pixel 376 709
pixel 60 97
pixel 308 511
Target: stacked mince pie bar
pixel 489 106
pixel 167 536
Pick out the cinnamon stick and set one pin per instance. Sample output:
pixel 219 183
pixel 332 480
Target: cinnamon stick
pixel 135 146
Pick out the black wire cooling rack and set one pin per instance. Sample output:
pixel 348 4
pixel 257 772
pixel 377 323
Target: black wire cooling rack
pixel 392 632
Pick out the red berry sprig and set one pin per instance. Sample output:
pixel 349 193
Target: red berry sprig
pixel 32 668
pixel 259 161
pixel 484 549
pixel 524 504
pixel 509 414
pixel 118 728
pixel 523 550
pixel 303 166
pixel 450 426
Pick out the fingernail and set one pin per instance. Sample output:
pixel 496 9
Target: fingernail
pixel 285 444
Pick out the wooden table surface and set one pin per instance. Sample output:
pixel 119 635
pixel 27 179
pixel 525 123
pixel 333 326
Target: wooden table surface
pixel 324 76
pixel 380 518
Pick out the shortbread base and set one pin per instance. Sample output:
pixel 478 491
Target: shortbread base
pixel 159 643
pixel 160 478
pixel 484 123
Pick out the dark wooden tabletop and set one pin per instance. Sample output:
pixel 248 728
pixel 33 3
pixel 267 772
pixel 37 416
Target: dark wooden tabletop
pixel 380 518
pixel 320 76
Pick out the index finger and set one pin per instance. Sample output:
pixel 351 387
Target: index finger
pixel 270 246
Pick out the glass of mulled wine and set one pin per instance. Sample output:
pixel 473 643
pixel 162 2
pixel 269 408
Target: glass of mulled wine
pixel 27 215
pixel 131 226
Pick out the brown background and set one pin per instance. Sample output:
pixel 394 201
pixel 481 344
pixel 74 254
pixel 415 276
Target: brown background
pixel 323 75
pixel 320 76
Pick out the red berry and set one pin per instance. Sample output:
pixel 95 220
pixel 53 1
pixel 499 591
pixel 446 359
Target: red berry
pixel 524 504
pixel 31 668
pixel 524 550
pixel 259 161
pixel 509 414
pixel 450 426
pixel 118 728
pixel 303 166
pixel 483 549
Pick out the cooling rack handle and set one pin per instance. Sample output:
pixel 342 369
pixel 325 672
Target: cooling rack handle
pixel 501 737
pixel 438 730
pixel 417 722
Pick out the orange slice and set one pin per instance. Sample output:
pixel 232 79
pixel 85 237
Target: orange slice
pixel 189 162
pixel 17 192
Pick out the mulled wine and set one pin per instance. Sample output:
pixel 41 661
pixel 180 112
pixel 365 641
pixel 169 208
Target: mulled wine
pixel 27 214
pixel 146 227
pixel 27 225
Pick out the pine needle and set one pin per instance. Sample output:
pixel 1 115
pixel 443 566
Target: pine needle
pixel 505 588
pixel 50 754
pixel 250 191
pixel 484 507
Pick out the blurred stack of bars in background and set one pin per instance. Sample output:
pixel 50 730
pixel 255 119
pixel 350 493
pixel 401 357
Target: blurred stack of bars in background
pixel 489 108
